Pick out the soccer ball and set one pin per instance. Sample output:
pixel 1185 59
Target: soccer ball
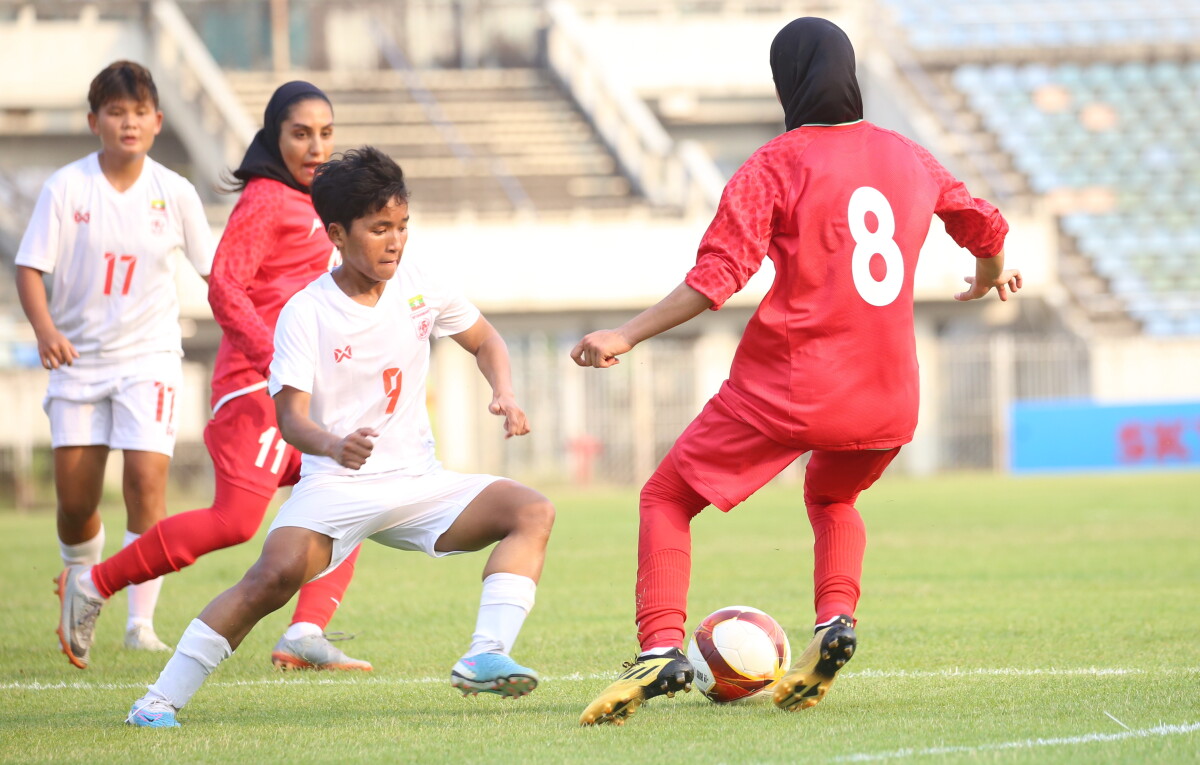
pixel 738 651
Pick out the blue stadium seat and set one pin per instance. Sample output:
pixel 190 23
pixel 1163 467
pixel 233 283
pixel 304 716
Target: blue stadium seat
pixel 1146 154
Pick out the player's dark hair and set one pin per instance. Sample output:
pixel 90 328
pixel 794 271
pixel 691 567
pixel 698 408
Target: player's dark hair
pixel 122 79
pixel 355 184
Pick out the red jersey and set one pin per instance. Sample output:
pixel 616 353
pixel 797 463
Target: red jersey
pixel 828 361
pixel 273 246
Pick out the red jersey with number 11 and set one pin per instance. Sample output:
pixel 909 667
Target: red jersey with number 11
pixel 828 360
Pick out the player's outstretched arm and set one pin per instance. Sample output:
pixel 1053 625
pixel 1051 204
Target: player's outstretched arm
pixel 299 430
pixel 989 273
pixel 491 355
pixel 54 349
pixel 600 349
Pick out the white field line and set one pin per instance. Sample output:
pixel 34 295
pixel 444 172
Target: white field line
pixel 1029 743
pixel 357 679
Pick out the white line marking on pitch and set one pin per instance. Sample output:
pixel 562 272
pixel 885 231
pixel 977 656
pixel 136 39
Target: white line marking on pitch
pixel 1029 743
pixel 309 679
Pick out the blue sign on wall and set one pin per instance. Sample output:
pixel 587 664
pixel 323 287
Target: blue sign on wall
pixel 1081 435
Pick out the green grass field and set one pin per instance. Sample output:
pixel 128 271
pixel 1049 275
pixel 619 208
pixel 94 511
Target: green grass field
pixel 1002 620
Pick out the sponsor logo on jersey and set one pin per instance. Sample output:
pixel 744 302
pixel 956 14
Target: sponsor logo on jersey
pixel 341 353
pixel 158 216
pixel 316 226
pixel 416 302
pixel 83 216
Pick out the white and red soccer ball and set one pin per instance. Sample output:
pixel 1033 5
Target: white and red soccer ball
pixel 738 651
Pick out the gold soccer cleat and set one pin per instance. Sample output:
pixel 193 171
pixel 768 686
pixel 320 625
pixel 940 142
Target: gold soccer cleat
pixel 809 679
pixel 644 678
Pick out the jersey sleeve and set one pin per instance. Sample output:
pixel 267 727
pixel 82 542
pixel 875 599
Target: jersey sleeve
pixel 197 235
pixel 40 243
pixel 295 358
pixel 455 313
pixel 737 240
pixel 239 255
pixel 972 223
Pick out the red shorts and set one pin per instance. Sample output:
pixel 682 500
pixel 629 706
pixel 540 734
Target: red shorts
pixel 246 448
pixel 726 460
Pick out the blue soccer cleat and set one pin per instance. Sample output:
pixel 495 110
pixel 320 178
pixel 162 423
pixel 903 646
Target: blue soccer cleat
pixel 152 714
pixel 492 673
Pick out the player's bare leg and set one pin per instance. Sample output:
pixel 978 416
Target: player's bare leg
pixel 519 519
pixel 290 557
pixel 145 489
pixel 78 482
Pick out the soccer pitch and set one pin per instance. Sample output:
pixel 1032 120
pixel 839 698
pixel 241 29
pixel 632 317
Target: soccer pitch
pixel 1002 620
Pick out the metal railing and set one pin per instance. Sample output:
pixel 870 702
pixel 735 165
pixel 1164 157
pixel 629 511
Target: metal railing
pixel 206 113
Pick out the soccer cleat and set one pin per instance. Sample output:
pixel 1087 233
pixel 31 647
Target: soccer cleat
pixel 316 652
pixel 809 679
pixel 644 678
pixel 141 637
pixel 77 619
pixel 155 713
pixel 492 673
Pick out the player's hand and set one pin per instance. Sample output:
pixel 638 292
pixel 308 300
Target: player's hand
pixel 600 349
pixel 55 350
pixel 1008 281
pixel 515 421
pixel 353 450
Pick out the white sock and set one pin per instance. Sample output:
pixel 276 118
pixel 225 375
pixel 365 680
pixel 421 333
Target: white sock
pixel 503 606
pixel 658 650
pixel 88 586
pixel 302 630
pixel 142 597
pixel 87 553
pixel 200 650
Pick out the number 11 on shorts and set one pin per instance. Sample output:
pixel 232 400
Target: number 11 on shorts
pixel 268 438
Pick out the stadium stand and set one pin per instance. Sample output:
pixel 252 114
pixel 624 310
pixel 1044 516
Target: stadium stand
pixel 1092 107
pixel 491 141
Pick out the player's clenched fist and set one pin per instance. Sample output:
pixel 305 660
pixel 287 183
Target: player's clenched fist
pixel 353 450
pixel 515 421
pixel 600 349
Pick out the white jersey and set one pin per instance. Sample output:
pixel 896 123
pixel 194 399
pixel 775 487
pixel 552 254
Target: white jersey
pixel 365 366
pixel 112 256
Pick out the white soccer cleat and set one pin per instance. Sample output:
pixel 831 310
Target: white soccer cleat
pixel 141 637
pixel 315 652
pixel 77 616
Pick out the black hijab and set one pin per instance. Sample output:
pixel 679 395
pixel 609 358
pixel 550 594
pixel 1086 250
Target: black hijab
pixel 812 62
pixel 263 159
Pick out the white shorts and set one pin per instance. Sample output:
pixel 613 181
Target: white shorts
pixel 129 404
pixel 402 511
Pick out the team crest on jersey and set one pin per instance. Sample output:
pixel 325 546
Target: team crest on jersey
pixel 423 324
pixel 416 303
pixel 158 216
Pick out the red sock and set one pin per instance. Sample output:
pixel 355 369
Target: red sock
pixel 321 597
pixel 667 507
pixel 840 539
pixel 176 542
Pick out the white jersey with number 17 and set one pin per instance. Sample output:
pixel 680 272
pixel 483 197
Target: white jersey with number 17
pixel 365 366
pixel 112 256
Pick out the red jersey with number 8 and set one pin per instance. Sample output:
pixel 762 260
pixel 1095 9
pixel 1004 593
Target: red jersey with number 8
pixel 828 361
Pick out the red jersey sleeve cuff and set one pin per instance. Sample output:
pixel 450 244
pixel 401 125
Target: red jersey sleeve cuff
pixel 711 281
